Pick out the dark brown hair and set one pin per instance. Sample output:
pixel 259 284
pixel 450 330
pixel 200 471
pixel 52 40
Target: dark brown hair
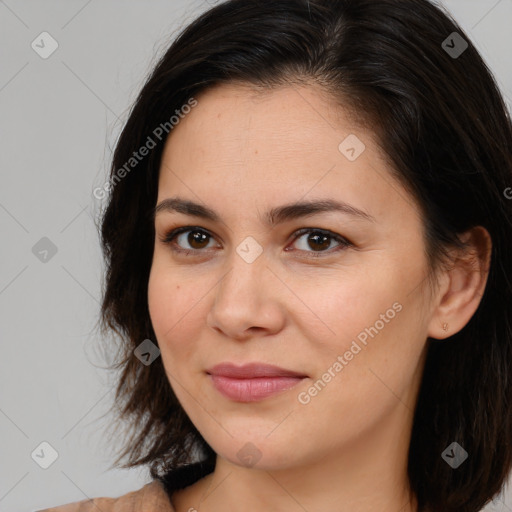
pixel 444 126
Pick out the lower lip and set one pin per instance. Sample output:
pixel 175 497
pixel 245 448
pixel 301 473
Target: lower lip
pixel 252 390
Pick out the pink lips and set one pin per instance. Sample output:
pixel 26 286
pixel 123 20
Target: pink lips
pixel 252 382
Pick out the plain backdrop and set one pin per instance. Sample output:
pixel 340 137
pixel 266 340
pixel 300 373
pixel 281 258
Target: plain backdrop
pixel 60 117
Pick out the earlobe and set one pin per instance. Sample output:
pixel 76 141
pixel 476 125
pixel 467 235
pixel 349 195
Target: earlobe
pixel 466 280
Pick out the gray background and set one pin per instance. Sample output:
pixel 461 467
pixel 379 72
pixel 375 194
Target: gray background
pixel 59 120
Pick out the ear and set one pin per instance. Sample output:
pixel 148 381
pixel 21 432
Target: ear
pixel 463 285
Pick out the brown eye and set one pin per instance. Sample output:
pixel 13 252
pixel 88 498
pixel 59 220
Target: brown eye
pixel 197 239
pixel 187 239
pixel 192 241
pixel 318 241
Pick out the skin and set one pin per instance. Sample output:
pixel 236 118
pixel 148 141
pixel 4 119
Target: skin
pixel 241 153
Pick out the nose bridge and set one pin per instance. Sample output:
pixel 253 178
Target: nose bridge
pixel 244 277
pixel 244 297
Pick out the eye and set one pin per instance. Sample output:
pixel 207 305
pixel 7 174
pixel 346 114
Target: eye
pixel 197 239
pixel 320 241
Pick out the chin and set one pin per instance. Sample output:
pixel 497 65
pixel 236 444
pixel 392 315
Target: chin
pixel 257 451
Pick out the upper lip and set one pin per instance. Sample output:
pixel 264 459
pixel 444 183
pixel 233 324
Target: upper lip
pixel 252 370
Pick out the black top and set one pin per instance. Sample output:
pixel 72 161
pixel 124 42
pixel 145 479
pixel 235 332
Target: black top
pixel 184 476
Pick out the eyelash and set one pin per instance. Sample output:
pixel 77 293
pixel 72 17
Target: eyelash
pixel 174 233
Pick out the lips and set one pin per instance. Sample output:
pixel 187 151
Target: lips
pixel 251 371
pixel 252 382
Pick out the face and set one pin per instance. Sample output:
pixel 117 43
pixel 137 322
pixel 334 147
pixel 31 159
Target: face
pixel 335 296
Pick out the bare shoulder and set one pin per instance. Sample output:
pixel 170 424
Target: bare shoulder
pixel 150 497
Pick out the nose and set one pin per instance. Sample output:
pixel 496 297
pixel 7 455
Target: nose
pixel 247 301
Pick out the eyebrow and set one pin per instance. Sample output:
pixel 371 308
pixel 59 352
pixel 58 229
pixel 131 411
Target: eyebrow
pixel 274 216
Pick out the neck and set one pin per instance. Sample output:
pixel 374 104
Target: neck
pixel 368 474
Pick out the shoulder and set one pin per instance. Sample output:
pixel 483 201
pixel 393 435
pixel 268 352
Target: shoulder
pixel 150 497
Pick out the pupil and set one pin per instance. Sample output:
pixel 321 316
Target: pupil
pixel 196 237
pixel 315 237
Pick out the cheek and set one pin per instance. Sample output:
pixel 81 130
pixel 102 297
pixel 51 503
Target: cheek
pixel 177 311
pixel 337 307
pixel 367 316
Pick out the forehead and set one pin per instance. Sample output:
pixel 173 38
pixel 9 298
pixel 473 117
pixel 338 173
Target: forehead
pixel 305 116
pixel 278 145
pixel 283 130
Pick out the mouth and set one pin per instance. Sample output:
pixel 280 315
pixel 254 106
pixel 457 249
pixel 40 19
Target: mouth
pixel 252 382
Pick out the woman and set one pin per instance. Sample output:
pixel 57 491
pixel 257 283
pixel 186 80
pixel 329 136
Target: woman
pixel 309 244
